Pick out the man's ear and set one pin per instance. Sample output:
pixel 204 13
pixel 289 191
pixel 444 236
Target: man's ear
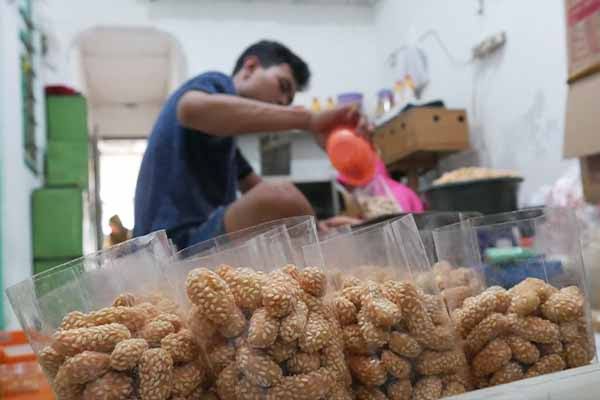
pixel 251 63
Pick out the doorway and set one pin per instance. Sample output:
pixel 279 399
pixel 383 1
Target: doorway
pixel 127 73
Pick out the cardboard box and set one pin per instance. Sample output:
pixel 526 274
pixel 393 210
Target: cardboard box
pixel 583 37
pixel 582 123
pixel 422 130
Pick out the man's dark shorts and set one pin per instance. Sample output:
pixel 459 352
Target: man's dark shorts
pixel 193 234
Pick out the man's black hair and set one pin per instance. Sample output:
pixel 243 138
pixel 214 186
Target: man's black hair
pixel 271 53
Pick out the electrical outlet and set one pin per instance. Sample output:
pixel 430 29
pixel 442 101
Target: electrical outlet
pixel 489 45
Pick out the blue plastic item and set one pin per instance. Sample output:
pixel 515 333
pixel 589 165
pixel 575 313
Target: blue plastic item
pixel 509 274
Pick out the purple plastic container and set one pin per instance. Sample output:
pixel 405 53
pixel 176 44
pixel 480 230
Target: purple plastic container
pixel 351 98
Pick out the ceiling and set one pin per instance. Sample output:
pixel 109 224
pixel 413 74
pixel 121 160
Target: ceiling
pixel 128 73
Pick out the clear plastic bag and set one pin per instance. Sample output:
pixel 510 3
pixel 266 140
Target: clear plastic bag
pixel 398 337
pixel 80 319
pixel 258 309
pixel 533 317
pixel 442 276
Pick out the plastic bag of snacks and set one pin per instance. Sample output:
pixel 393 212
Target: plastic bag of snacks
pixel 100 325
pixel 451 282
pixel 533 316
pixel 398 338
pixel 266 329
pixel 377 199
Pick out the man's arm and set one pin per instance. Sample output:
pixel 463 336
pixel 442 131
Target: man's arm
pixel 226 115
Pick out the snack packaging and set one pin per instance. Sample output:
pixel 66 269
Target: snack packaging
pixel 97 323
pixel 258 313
pixel 517 293
pixel 398 338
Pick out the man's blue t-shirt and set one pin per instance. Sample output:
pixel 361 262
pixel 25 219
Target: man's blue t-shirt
pixel 185 174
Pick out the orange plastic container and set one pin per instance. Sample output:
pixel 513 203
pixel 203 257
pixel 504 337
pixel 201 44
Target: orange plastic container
pixel 21 377
pixel 352 155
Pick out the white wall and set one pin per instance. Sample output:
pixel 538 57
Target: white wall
pixel 515 99
pixel 17 179
pixel 338 42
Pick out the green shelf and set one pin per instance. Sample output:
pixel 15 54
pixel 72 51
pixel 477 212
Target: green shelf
pixel 67 118
pixel 67 164
pixel 57 223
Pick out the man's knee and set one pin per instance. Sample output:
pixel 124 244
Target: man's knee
pixel 282 198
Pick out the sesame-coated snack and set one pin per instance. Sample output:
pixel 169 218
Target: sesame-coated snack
pixel 263 329
pixel 534 329
pixel 186 378
pixel 317 333
pixel 523 350
pixel 111 386
pixel 399 390
pixel 395 365
pixel 155 375
pixel 437 363
pixel 563 306
pixel 303 363
pixel 127 354
pixel 50 360
pixel 510 372
pixel 211 294
pixel 345 310
pixel 404 345
pixel 181 346
pixel 546 365
pixel 102 338
pixel 154 331
pixel 489 328
pixel 258 367
pixel 313 385
pixel 82 368
pixel 428 388
pixel 491 358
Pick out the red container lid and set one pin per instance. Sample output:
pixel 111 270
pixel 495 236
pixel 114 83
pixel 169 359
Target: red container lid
pixel 352 155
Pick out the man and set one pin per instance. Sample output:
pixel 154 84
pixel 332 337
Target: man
pixel 192 169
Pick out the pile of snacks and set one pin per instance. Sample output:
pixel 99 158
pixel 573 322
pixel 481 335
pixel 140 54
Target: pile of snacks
pixel 468 174
pixel 377 206
pixel 530 330
pixel 133 348
pixel 454 284
pixel 399 342
pixel 267 335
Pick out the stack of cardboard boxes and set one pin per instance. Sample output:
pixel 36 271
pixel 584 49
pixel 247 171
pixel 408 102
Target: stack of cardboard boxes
pixel 582 132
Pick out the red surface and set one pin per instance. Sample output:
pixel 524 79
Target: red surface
pixel 352 155
pixel 45 393
pixel 30 372
pixel 61 90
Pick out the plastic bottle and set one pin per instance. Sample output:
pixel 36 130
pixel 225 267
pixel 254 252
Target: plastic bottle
pixel 352 155
pixel 330 103
pixel 315 105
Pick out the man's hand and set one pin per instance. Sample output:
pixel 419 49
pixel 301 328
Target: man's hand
pixel 337 222
pixel 321 124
